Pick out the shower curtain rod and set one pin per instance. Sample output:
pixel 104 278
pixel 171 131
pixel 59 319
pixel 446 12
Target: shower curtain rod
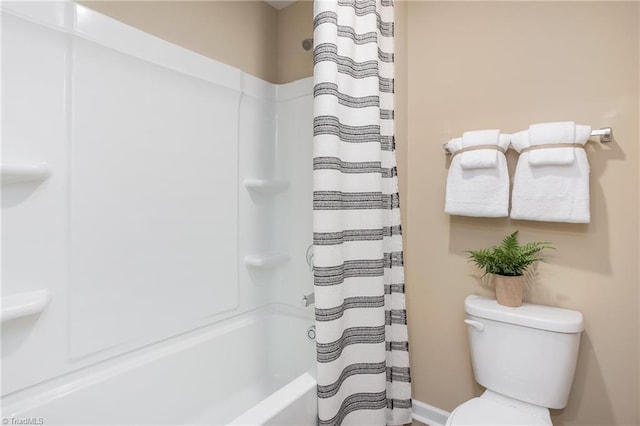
pixel 605 134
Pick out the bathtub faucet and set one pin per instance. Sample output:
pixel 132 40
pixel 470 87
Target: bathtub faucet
pixel 309 299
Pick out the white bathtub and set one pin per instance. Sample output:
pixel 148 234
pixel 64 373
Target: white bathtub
pixel 255 369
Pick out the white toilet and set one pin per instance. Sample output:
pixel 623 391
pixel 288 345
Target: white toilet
pixel 525 357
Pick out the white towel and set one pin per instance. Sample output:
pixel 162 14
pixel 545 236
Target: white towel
pixel 551 193
pixel 478 192
pixel 481 158
pixel 554 133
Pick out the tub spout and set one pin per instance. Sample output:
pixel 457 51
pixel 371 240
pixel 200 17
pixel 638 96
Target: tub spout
pixel 309 299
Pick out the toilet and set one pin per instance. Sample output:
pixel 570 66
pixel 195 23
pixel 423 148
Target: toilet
pixel 525 357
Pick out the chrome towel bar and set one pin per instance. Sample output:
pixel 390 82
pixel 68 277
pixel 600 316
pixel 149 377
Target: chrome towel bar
pixel 605 134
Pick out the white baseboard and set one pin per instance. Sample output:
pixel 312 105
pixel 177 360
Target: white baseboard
pixel 428 414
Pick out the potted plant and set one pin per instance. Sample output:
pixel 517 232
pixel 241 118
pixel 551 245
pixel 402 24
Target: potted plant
pixel 508 262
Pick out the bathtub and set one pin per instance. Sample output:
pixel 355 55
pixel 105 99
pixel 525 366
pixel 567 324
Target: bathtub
pixel 254 369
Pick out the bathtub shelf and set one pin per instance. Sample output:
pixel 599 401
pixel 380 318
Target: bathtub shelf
pixel 24 172
pixel 266 260
pixel 266 186
pixel 23 304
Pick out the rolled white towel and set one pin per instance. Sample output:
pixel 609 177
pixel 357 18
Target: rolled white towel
pixel 555 133
pixel 479 158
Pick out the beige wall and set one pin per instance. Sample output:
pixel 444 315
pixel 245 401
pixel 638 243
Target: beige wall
pixel 295 23
pixel 506 65
pixel 249 35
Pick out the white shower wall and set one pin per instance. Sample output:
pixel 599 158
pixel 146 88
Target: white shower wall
pixel 294 160
pixel 276 147
pixel 141 231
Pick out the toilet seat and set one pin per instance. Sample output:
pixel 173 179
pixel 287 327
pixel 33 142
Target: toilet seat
pixel 494 409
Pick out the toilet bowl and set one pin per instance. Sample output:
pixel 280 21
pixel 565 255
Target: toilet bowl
pixel 525 357
pixel 493 409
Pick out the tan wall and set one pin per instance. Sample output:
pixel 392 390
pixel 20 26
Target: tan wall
pixel 242 34
pixel 506 65
pixel 295 23
pixel 249 35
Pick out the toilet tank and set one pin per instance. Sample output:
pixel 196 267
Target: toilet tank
pixel 528 353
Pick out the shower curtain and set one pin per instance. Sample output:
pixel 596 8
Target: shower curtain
pixel 362 345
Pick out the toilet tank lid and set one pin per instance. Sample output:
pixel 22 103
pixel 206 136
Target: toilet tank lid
pixel 529 315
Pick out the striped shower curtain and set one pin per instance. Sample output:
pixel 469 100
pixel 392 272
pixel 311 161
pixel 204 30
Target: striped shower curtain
pixel 361 323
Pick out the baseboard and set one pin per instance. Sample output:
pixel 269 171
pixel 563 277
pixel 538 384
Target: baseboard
pixel 428 414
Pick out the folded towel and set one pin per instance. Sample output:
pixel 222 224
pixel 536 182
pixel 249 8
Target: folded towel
pixel 562 134
pixel 479 158
pixel 551 193
pixel 482 192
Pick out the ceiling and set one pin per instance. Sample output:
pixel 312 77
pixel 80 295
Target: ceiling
pixel 279 4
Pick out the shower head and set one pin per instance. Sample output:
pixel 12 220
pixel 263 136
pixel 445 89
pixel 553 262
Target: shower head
pixel 307 43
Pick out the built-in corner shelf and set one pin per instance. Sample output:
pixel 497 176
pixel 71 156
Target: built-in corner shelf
pixel 266 186
pixel 23 304
pixel 266 260
pixel 24 172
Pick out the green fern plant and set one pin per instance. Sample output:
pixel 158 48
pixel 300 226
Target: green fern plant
pixel 509 258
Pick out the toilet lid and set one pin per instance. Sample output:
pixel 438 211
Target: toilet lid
pixel 484 411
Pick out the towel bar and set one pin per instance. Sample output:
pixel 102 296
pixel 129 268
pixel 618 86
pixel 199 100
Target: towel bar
pixel 605 134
